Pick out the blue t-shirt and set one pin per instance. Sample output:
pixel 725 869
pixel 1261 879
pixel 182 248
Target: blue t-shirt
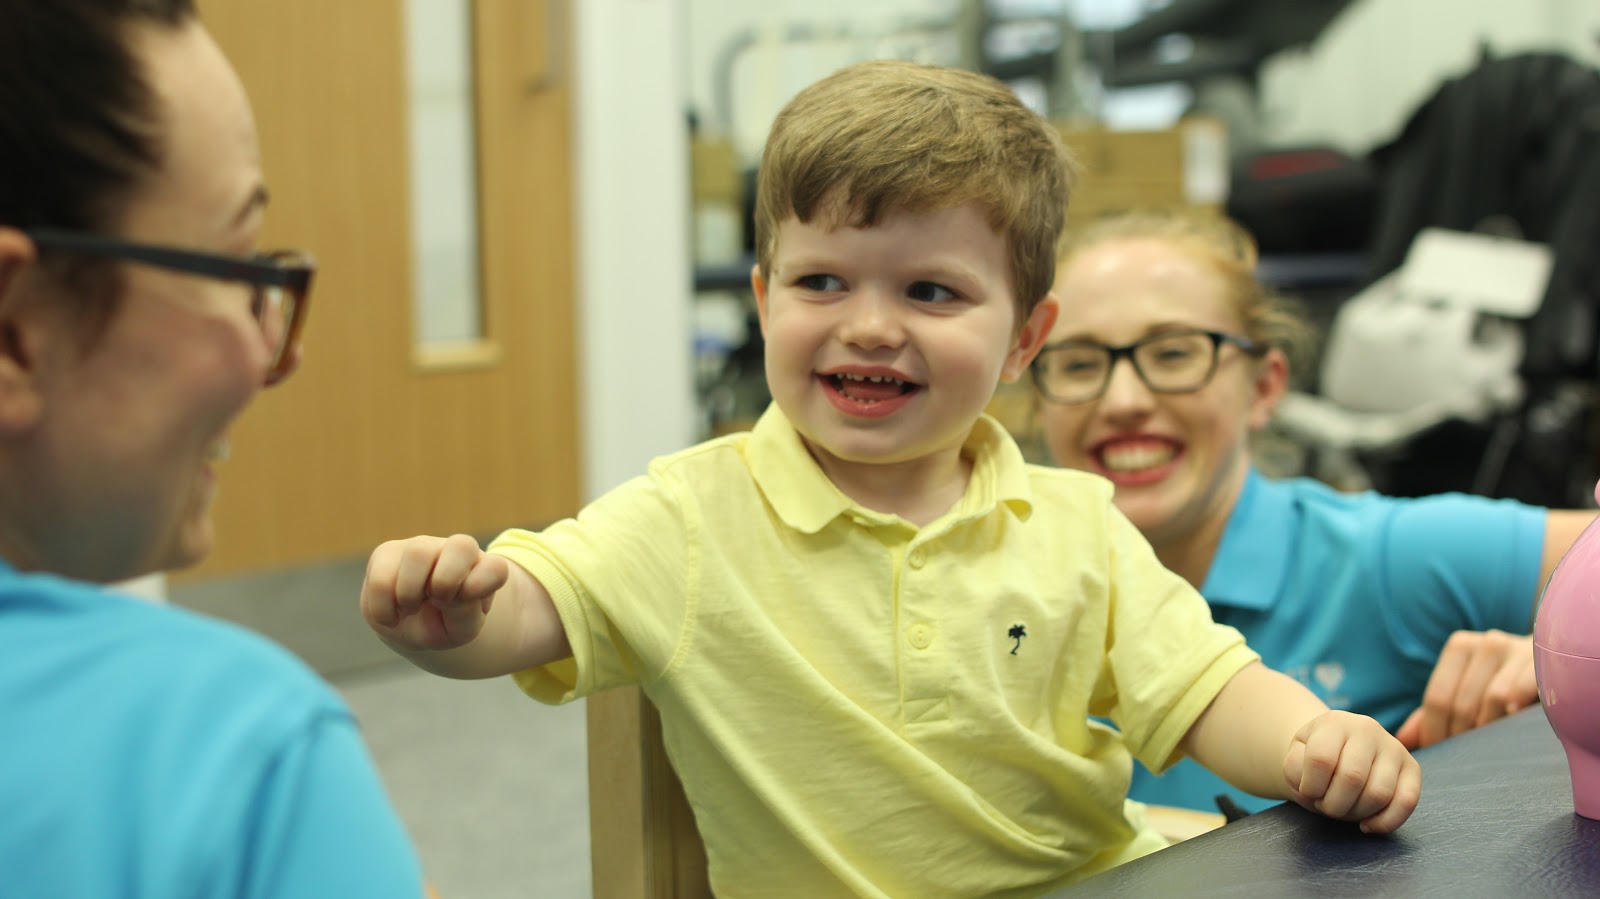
pixel 1354 595
pixel 146 751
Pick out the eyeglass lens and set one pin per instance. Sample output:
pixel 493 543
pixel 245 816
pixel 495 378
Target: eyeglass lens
pixel 1168 364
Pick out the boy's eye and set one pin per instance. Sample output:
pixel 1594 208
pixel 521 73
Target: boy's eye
pixel 929 292
pixel 820 283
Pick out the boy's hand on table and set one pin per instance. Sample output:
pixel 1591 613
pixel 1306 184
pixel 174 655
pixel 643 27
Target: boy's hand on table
pixel 1349 768
pixel 1480 676
pixel 430 593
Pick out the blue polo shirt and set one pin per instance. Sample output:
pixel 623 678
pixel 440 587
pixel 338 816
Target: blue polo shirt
pixel 146 751
pixel 1354 595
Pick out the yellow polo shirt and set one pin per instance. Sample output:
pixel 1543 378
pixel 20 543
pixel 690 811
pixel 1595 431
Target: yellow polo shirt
pixel 856 705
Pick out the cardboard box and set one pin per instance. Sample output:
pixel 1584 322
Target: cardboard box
pixel 714 175
pixel 1126 155
pixel 1181 166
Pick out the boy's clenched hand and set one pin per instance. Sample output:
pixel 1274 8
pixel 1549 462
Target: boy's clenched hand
pixel 1346 766
pixel 430 593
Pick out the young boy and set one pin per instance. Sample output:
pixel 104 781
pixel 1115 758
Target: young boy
pixel 875 636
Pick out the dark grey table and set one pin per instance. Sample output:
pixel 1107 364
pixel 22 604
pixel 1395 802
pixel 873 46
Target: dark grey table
pixel 1495 820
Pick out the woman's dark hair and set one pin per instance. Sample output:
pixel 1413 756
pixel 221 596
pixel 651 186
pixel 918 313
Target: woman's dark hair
pixel 78 121
pixel 77 125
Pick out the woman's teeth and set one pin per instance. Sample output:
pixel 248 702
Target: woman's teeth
pixel 1136 457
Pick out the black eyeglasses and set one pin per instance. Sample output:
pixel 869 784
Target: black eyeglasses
pixel 1077 371
pixel 280 281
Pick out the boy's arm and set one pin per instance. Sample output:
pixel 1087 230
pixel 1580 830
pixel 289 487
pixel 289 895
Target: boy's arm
pixel 1268 735
pixel 452 609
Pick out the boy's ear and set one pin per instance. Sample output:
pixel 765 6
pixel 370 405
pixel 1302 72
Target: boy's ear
pixel 1271 382
pixel 21 400
pixel 759 286
pixel 1031 338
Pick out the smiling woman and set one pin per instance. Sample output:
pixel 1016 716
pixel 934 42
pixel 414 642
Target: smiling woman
pixel 1402 609
pixel 156 753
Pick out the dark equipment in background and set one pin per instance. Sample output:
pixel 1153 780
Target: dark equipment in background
pixel 1230 37
pixel 1510 147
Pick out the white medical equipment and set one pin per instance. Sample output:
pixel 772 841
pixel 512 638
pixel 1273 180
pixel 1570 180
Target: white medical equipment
pixel 1439 338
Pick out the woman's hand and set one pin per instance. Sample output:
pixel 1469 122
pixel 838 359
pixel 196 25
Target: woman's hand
pixel 1481 676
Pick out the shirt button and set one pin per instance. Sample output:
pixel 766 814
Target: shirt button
pixel 920 636
pixel 918 558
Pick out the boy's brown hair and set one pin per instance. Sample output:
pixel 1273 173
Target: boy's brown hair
pixel 887 136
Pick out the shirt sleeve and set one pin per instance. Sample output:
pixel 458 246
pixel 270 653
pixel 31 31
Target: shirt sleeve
pixel 1168 658
pixel 618 575
pixel 323 825
pixel 1455 562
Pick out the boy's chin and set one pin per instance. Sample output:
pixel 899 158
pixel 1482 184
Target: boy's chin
pixel 879 447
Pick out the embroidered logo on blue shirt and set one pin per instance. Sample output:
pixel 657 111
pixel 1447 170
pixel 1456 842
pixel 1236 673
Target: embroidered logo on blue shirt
pixel 1016 633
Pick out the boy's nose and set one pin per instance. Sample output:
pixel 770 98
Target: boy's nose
pixel 872 319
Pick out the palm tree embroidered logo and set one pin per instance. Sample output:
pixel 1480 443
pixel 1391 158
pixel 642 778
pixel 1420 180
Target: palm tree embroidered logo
pixel 1016 633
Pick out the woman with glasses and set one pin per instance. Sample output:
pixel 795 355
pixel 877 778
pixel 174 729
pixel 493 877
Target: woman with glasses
pixel 145 750
pixel 1168 354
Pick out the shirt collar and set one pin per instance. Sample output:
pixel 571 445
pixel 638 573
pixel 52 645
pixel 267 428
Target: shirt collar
pixel 1253 557
pixel 804 498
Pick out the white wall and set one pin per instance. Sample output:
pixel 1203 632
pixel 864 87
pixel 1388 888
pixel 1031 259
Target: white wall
pixel 1381 59
pixel 768 75
pixel 634 279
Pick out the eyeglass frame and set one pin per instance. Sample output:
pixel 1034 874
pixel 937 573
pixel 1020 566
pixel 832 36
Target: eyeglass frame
pixel 1126 351
pixel 290 270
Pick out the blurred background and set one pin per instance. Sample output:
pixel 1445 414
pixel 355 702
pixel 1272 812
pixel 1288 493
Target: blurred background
pixel 532 221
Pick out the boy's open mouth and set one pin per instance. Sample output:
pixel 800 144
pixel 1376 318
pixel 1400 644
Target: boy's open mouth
pixel 865 389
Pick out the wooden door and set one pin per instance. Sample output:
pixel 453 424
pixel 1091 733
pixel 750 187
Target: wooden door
pixel 368 441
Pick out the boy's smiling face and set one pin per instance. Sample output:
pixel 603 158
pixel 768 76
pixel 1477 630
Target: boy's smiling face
pixel 884 344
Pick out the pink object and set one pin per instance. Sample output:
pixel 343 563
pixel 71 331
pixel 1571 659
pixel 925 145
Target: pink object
pixel 1566 663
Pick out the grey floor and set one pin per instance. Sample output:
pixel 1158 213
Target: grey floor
pixel 493 786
